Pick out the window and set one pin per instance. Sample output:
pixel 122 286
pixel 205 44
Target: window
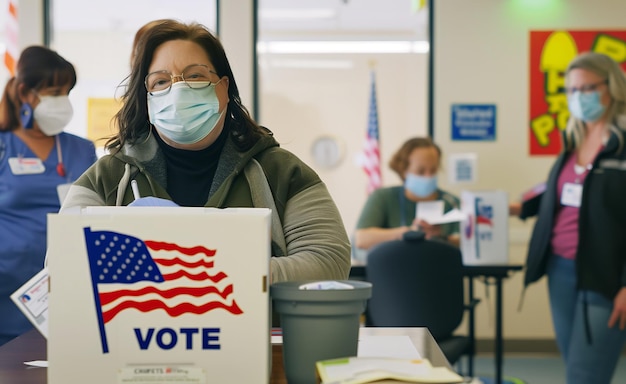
pixel 100 48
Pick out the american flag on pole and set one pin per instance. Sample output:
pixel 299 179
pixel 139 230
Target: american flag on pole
pixel 11 33
pixel 146 275
pixel 370 160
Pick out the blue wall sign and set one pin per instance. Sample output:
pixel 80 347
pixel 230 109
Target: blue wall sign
pixel 474 122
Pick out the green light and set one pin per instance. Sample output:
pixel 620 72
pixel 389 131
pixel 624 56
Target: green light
pixel 536 4
pixel 535 8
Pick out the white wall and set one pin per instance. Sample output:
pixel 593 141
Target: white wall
pixel 481 56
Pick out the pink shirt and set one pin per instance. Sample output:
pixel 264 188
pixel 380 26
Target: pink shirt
pixel 565 231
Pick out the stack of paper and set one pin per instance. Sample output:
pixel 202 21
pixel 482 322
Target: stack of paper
pixel 359 370
pixel 390 358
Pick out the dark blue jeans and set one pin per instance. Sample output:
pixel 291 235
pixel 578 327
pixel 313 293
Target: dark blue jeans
pixel 585 362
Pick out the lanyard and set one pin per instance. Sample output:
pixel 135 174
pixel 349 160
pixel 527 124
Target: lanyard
pixel 402 208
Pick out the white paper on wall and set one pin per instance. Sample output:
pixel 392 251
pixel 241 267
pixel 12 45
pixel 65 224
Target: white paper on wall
pixel 462 168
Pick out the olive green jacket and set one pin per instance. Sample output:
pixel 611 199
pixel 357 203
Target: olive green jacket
pixel 306 225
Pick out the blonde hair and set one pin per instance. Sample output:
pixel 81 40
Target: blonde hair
pixel 610 71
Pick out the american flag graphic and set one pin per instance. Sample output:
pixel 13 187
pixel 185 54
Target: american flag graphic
pixel 371 148
pixel 147 275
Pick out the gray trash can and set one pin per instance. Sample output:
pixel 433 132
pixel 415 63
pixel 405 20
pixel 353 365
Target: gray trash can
pixel 318 324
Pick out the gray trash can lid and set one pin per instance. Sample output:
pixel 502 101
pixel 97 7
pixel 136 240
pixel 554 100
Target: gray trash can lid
pixel 294 290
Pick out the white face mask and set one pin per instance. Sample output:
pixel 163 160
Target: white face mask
pixel 53 113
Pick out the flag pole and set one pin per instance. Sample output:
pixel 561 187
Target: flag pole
pixel 96 295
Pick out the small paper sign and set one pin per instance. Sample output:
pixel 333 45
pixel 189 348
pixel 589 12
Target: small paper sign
pixel 32 299
pixel 162 374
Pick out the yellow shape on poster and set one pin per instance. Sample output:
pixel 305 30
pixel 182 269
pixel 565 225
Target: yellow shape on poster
pixel 558 51
pixel 100 112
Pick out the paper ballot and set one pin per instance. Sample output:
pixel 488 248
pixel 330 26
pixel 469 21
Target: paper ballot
pixel 429 210
pixel 432 213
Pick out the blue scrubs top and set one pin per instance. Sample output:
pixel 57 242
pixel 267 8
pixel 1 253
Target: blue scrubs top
pixel 25 201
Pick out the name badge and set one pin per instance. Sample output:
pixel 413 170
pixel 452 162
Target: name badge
pixel 26 165
pixel 572 194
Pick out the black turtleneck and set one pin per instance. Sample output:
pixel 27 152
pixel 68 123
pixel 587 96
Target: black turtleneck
pixel 190 173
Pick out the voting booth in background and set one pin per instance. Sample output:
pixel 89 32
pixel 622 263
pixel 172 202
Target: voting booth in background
pixel 485 230
pixel 159 295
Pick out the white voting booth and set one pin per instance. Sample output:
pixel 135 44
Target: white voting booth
pixel 485 230
pixel 159 295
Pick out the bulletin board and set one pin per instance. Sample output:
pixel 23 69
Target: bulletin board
pixel 550 53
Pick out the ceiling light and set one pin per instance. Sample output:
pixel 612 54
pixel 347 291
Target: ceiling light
pixel 297 14
pixel 311 64
pixel 302 47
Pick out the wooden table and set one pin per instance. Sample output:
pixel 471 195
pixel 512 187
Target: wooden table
pixel 32 346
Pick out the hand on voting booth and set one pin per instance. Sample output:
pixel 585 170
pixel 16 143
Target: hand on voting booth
pixel 152 201
pixel 530 201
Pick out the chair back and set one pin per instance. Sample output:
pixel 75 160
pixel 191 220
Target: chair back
pixel 416 283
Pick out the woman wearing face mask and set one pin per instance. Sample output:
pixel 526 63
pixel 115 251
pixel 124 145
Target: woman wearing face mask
pixel 186 139
pixel 36 157
pixel 579 239
pixel 390 212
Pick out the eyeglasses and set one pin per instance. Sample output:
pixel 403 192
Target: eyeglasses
pixel 585 88
pixel 196 76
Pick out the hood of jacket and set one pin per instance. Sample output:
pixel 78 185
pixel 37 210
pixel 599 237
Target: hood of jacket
pixel 145 156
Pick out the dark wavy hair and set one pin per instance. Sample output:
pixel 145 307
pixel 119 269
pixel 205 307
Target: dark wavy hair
pixel 37 68
pixel 132 119
pixel 400 160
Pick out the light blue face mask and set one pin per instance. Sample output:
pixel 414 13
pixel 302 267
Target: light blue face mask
pixel 420 186
pixel 185 115
pixel 586 106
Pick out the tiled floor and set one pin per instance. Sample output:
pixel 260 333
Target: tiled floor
pixel 534 369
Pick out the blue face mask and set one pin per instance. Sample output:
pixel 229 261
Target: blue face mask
pixel 586 106
pixel 185 115
pixel 420 186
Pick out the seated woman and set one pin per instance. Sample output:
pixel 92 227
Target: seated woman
pixel 186 138
pixel 390 212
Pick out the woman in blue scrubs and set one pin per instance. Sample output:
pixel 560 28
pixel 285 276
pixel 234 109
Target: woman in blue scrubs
pixel 37 159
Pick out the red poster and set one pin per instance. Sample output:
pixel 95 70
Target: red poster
pixel 550 53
